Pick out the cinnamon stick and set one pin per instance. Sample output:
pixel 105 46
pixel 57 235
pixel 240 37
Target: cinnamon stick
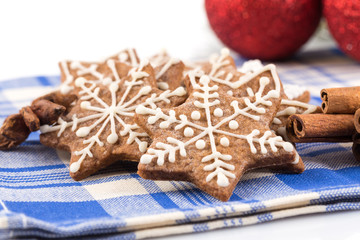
pixel 356 146
pixel 58 98
pixel 320 127
pixel 357 120
pixel 13 131
pixel 340 100
pixel 30 119
pixel 47 111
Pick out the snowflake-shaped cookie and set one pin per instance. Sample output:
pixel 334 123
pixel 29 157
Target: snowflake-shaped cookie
pixel 213 138
pixel 100 129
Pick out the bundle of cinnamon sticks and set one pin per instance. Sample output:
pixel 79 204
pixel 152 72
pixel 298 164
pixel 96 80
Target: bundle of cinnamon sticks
pixel 339 122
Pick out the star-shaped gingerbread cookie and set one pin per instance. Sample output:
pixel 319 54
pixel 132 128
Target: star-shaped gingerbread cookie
pixel 213 138
pixel 100 129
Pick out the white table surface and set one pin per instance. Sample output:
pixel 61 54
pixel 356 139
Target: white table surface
pixel 36 35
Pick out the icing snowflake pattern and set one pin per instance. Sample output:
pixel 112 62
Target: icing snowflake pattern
pixel 110 114
pixel 208 97
pixel 127 56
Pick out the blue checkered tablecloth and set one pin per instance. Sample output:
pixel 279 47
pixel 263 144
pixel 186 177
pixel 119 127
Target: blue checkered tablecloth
pixel 39 199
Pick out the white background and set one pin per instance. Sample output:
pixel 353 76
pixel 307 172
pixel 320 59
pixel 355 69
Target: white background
pixel 36 35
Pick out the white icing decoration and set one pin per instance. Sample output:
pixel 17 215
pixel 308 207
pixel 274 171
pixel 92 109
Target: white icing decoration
pixel 251 66
pixel 166 66
pixel 293 91
pixel 218 112
pixel 65 87
pixel 206 98
pixel 286 112
pixel 291 109
pixel 277 121
pixel 188 132
pixel 195 115
pixel 250 92
pixel 82 70
pixel 110 114
pixel 159 59
pixel 163 85
pixel 297 158
pixel 230 93
pixel 233 124
pixel 128 56
pixel 224 141
pixel 200 144
pixel 220 61
pixel 293 103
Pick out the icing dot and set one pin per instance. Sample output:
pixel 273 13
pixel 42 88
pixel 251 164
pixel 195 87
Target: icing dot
pixel 146 158
pixel 218 112
pixel 112 138
pixel 200 144
pixel 163 85
pixel 85 104
pixel 123 57
pixel 65 89
pixel 74 167
pixel 204 80
pixel 233 124
pixel 145 90
pixel 264 80
pixel 273 94
pixel 164 124
pixel 222 180
pixel 195 115
pixel 83 132
pixel 188 132
pixel 180 91
pixel 113 87
pixel 80 81
pixel 106 81
pixel 224 141
pixel 288 147
pixel 143 146
pixel 141 109
pixel 230 92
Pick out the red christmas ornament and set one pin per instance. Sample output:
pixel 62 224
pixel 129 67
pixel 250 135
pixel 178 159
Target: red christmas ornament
pixel 264 29
pixel 343 17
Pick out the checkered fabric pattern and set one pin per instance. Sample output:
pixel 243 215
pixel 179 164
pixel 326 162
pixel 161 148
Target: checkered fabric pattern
pixel 39 199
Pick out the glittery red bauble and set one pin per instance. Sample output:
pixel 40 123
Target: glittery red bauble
pixel 264 29
pixel 343 17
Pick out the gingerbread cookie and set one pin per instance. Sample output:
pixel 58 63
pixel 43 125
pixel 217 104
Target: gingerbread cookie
pixel 213 138
pixel 100 129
